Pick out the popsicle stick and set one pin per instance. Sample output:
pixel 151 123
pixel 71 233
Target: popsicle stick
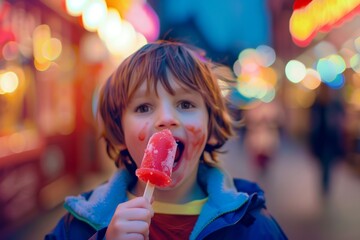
pixel 149 189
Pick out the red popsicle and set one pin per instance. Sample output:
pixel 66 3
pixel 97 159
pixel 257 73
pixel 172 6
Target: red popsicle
pixel 158 160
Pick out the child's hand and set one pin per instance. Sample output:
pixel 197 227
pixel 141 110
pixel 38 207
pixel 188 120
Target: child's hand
pixel 131 220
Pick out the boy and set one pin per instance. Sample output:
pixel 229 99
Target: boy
pixel 167 85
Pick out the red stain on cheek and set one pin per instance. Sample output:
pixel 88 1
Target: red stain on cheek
pixel 198 137
pixel 199 141
pixel 142 133
pixel 193 130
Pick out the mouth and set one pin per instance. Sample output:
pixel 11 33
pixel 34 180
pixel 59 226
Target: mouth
pixel 178 154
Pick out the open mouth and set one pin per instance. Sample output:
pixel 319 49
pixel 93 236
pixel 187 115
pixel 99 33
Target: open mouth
pixel 178 154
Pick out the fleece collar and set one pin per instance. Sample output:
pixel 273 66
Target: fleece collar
pixel 98 209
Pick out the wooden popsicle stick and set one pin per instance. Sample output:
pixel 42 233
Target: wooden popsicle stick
pixel 149 189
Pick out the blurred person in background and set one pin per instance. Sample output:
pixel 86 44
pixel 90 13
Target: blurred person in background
pixel 167 85
pixel 327 132
pixel 262 132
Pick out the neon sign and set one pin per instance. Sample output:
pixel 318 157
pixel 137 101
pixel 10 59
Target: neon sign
pixel 312 16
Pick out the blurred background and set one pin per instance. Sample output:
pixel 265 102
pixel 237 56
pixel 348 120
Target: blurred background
pixel 297 65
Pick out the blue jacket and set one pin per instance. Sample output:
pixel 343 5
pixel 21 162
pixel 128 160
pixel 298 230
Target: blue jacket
pixel 235 209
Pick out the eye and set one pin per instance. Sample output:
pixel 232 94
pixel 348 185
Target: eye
pixel 143 108
pixel 186 105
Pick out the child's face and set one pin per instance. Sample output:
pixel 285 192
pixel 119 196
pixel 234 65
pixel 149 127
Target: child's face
pixel 184 113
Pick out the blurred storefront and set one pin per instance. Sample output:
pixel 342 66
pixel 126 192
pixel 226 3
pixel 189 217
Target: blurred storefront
pixel 47 131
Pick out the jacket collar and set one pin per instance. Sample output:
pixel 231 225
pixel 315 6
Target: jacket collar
pixel 223 196
pixel 98 208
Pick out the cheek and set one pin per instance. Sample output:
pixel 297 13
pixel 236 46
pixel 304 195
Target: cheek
pixel 197 138
pixel 142 133
pixel 136 134
pixel 135 142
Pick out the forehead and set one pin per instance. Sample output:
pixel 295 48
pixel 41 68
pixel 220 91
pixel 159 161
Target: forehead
pixel 170 83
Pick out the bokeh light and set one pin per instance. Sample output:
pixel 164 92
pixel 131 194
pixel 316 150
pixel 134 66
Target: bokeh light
pixel 355 63
pixel 312 79
pixel 295 71
pixel 10 50
pixel 51 49
pixel 145 20
pixel 9 82
pixel 111 28
pixel 326 70
pixel 75 7
pixel 94 14
pixel 338 82
pixel 338 62
pixel 249 55
pixel 267 55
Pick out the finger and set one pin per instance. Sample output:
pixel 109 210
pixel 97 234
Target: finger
pixel 139 202
pixel 136 202
pixel 128 236
pixel 135 227
pixel 136 214
pixel 135 236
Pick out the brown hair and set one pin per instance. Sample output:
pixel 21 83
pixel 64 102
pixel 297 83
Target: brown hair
pixel 151 64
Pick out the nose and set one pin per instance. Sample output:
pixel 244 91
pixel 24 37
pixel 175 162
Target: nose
pixel 166 117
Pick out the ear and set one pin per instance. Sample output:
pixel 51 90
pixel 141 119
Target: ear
pixel 212 140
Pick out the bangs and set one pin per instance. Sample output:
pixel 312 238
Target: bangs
pixel 159 65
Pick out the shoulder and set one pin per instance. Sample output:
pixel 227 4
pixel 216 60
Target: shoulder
pixel 247 186
pixel 258 223
pixel 256 194
pixel 255 223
